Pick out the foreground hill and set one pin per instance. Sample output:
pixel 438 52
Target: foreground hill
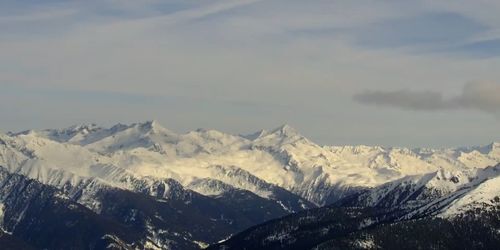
pixel 422 212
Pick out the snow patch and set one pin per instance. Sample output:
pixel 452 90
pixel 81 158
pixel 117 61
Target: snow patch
pixel 367 243
pixel 201 244
pixel 2 214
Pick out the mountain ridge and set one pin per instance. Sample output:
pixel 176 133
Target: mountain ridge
pixel 244 180
pixel 286 158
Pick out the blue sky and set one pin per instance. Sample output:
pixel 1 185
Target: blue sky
pixel 410 73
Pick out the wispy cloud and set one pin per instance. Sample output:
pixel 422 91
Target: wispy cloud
pixel 243 64
pixel 430 29
pixel 481 49
pixel 483 96
pixel 48 14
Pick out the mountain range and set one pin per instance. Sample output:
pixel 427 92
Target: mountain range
pixel 142 186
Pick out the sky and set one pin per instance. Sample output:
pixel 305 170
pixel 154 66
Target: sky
pixel 420 73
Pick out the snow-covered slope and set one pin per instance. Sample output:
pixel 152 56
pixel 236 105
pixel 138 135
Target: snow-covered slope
pixel 442 193
pixel 280 157
pixel 54 218
pixel 249 178
pixel 439 210
pixel 485 196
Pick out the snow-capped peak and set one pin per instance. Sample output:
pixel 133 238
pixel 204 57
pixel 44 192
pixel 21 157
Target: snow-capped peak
pixel 285 130
pixel 82 128
pixel 255 135
pixel 153 126
pixel 69 134
pixel 281 136
pixel 494 146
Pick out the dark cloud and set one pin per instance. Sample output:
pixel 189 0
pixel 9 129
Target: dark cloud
pixel 483 96
pixel 406 99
